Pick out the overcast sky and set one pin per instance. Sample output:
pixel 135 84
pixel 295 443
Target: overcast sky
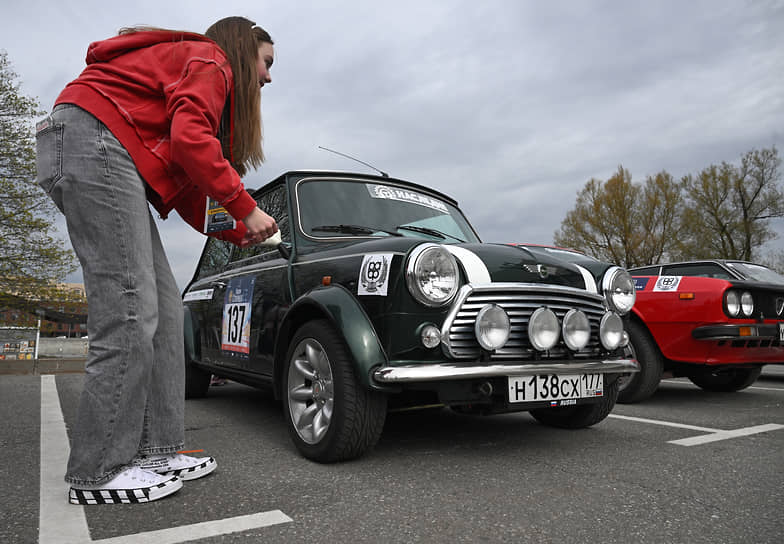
pixel 509 106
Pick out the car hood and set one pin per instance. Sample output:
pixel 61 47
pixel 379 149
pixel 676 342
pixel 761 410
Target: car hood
pixel 503 263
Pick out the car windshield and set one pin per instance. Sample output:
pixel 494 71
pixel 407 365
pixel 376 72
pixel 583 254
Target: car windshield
pixel 757 272
pixel 330 208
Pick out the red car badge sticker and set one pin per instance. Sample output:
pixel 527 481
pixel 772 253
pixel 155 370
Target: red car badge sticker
pixel 667 283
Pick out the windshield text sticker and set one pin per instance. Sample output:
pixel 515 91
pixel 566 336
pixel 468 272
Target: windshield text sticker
pixel 235 330
pixel 405 195
pixel 667 283
pixel 374 274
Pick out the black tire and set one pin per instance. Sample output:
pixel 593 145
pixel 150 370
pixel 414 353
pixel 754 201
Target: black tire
pixel 197 380
pixel 329 414
pixel 726 381
pixel 639 386
pixel 582 415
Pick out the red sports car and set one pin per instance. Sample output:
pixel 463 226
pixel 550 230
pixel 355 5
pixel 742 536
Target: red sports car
pixel 716 322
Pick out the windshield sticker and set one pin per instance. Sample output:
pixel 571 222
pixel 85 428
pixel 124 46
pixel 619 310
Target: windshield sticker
pixel 201 294
pixel 667 283
pixel 405 195
pixel 235 331
pixel 374 274
pixel 640 283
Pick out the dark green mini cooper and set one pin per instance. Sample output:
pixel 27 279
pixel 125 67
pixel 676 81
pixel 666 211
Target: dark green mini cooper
pixel 382 296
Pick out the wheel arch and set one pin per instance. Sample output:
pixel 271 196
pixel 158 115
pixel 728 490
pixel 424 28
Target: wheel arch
pixel 337 305
pixel 636 318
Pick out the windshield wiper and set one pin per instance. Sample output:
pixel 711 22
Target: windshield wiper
pixel 353 229
pixel 428 230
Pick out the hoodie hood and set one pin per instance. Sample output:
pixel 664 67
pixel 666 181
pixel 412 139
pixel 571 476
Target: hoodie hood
pixel 106 50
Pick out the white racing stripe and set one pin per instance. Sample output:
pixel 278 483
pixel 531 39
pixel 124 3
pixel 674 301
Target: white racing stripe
pixel 474 268
pixel 590 283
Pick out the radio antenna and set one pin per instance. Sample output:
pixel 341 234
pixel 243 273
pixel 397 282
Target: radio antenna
pixel 384 174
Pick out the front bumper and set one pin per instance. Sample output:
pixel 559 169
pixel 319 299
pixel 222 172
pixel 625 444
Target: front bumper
pixel 412 373
pixel 756 331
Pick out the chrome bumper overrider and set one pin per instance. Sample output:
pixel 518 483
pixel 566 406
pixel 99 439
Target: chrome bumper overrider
pixel 458 371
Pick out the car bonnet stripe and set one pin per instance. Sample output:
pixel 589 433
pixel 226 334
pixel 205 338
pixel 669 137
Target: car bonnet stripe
pixel 474 268
pixel 590 283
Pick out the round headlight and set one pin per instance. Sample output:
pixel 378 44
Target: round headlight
pixel 733 303
pixel 618 287
pixel 611 331
pixel 543 329
pixel 747 303
pixel 432 275
pixel 576 330
pixel 492 327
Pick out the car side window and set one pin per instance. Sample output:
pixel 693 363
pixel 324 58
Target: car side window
pixel 702 270
pixel 215 258
pixel 274 203
pixel 650 271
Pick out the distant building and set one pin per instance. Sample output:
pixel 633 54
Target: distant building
pixel 58 318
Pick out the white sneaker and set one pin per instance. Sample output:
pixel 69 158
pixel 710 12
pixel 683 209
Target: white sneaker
pixel 132 485
pixel 177 464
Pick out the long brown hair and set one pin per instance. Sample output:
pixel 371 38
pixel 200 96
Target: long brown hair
pixel 240 39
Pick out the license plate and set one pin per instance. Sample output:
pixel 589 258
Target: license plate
pixel 555 388
pixel 781 332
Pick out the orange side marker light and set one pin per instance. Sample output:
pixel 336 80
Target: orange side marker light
pixel 686 296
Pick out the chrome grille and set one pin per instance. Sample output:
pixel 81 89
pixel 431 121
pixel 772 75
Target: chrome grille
pixel 519 301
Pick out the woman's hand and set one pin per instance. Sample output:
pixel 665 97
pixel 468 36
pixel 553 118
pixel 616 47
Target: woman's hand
pixel 260 227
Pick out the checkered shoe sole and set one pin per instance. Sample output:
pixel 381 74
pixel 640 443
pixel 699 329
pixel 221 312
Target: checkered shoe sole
pixel 190 473
pixel 124 496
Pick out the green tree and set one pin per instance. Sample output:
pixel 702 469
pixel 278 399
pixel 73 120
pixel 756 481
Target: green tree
pixel 623 222
pixel 33 258
pixel 729 207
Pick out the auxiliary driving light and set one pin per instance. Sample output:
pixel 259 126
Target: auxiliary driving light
pixel 492 327
pixel 576 330
pixel 431 336
pixel 611 330
pixel 543 329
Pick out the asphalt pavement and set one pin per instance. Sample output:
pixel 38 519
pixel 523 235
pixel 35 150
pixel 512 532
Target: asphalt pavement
pixel 685 466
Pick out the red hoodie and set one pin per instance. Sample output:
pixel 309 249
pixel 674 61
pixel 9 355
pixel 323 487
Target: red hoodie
pixel 162 95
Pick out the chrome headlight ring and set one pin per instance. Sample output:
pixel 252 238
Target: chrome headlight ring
pixel 432 275
pixel 618 289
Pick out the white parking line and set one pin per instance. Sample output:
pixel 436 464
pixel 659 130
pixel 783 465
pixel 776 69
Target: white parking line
pixel 714 435
pixel 665 423
pixel 724 435
pixel 60 521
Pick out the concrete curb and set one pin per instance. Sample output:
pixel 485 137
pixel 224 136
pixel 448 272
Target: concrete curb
pixel 41 366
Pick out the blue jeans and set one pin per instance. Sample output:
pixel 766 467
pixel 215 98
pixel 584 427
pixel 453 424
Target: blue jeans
pixel 133 397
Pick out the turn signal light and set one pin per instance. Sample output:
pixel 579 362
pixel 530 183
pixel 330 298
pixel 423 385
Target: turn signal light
pixel 686 296
pixel 746 331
